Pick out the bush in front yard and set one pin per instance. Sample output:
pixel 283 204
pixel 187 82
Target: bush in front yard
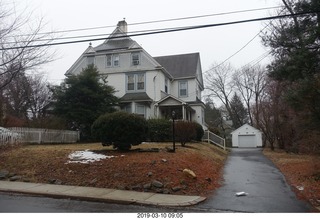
pixel 199 131
pixel 185 131
pixel 159 130
pixel 120 129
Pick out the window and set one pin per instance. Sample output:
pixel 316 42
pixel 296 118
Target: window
pixel 183 89
pixel 166 85
pixel 115 60
pixel 109 60
pixel 135 82
pixel 140 81
pixel 112 60
pixel 130 82
pixel 127 108
pixel 90 60
pixel 140 110
pixel 135 58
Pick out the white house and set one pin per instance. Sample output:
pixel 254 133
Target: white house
pixel 152 87
pixel 246 137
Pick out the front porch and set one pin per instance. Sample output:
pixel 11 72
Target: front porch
pixel 165 107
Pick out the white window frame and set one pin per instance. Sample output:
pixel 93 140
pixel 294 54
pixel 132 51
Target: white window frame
pixel 136 77
pixel 93 60
pixel 143 107
pixel 166 85
pixel 135 61
pixel 180 89
pixel 112 60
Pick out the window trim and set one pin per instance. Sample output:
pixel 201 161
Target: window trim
pixel 93 58
pixel 179 87
pixel 112 60
pixel 139 58
pixel 144 110
pixel 135 82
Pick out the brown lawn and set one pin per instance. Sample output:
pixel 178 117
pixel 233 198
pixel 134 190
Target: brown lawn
pixel 301 171
pixel 126 170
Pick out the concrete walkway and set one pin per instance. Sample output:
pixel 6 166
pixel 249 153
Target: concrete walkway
pixel 249 171
pixel 100 194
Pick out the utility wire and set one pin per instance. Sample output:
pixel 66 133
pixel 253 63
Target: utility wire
pixel 161 21
pixel 166 31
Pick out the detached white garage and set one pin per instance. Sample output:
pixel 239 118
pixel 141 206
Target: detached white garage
pixel 246 137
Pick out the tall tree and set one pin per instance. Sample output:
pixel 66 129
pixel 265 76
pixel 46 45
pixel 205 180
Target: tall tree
pixel 219 84
pixel 82 98
pixel 239 115
pixel 295 45
pixel 212 114
pixel 250 82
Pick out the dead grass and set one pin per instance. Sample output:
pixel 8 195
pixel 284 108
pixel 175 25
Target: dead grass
pixel 44 163
pixel 302 173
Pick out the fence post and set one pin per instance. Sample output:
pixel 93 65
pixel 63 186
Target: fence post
pixel 208 136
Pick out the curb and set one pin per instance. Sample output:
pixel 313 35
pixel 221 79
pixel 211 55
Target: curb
pixel 100 194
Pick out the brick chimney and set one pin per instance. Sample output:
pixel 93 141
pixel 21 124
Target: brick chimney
pixel 123 26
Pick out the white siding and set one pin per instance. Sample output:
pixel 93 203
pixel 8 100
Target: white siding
pixel 246 136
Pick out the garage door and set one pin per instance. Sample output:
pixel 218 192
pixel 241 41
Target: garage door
pixel 247 141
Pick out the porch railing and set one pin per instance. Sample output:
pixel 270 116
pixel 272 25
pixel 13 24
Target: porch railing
pixel 212 138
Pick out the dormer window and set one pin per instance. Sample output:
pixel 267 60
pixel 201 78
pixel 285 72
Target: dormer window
pixel 112 60
pixel 90 60
pixel 135 58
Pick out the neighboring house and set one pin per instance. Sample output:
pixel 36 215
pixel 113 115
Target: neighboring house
pixel 246 136
pixel 152 87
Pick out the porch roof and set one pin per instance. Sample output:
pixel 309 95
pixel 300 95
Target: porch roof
pixel 137 97
pixel 170 100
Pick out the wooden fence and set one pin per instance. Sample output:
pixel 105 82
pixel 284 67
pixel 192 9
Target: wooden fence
pixel 210 137
pixel 45 136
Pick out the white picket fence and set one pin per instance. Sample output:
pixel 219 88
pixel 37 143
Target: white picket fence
pixel 45 136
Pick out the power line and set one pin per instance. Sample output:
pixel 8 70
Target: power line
pixel 243 46
pixel 166 31
pixel 161 21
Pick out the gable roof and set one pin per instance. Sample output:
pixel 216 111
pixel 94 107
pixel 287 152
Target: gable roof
pixel 244 127
pixel 180 66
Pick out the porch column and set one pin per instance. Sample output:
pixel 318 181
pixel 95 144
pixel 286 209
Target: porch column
pixel 157 111
pixel 183 112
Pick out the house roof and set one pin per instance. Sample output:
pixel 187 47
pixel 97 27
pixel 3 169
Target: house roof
pixel 180 66
pixel 139 97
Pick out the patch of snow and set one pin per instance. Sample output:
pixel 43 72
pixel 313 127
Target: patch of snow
pixel 86 157
pixel 300 188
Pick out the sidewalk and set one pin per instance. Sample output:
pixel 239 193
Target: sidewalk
pixel 99 194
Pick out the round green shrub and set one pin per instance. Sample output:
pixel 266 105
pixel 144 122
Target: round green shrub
pixel 159 130
pixel 120 129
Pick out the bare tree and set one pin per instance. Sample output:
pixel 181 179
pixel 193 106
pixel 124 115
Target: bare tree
pixel 20 39
pixel 218 83
pixel 39 98
pixel 251 82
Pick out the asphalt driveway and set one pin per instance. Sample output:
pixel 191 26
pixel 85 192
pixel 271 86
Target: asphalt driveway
pixel 249 171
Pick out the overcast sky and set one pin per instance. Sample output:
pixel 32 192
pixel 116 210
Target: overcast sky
pixel 215 44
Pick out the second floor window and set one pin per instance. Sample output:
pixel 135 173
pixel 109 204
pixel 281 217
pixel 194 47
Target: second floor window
pixel 112 60
pixel 183 89
pixel 135 82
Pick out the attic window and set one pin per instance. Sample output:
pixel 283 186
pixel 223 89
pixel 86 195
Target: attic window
pixel 90 60
pixel 112 60
pixel 135 57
